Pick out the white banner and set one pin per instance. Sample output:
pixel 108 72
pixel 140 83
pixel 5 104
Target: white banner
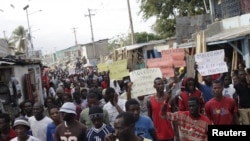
pixel 143 81
pixel 211 62
pixel 217 55
pixel 212 68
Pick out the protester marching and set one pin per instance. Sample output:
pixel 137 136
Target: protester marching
pixel 162 101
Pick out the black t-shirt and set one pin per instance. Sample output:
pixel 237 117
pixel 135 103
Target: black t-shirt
pixel 244 95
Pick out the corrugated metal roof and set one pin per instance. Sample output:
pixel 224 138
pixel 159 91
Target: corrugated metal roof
pixel 222 37
pixel 187 45
pixel 135 46
pixel 229 34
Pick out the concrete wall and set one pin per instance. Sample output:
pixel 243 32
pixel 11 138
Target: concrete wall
pixel 225 24
pixel 4 50
pixel 186 26
pixel 100 48
pixel 19 72
pixel 235 22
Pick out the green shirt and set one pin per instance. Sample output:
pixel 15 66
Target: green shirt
pixel 84 118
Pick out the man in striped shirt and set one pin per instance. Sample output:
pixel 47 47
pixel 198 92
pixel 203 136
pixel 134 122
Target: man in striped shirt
pixel 192 124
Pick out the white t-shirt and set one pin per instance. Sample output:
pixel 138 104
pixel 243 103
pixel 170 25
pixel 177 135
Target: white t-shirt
pixel 52 92
pixel 143 105
pixel 39 128
pixel 31 138
pixel 112 111
pixel 117 87
pixel 229 92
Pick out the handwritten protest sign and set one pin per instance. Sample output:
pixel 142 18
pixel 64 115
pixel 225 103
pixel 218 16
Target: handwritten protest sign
pixel 102 67
pixel 167 72
pixel 118 74
pixel 212 68
pixel 179 63
pixel 120 63
pixel 211 62
pixel 143 81
pixel 71 71
pixel 124 96
pixel 217 55
pixel 178 53
pixel 159 62
pixel 165 65
pixel 118 69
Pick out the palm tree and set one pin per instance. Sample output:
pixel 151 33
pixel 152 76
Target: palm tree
pixel 19 40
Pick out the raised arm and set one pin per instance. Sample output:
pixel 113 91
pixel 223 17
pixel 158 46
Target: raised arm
pixel 129 88
pixel 196 82
pixel 149 106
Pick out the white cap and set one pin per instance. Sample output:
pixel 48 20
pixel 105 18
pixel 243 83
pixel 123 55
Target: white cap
pixel 21 121
pixel 68 107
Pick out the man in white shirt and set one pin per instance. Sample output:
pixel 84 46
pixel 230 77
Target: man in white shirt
pixel 39 122
pixel 21 126
pixel 228 90
pixel 114 106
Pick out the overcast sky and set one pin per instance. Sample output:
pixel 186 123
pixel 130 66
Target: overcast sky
pixel 52 27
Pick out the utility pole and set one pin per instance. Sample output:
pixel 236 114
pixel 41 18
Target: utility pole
pixel 29 34
pixel 92 33
pixel 55 54
pixel 131 24
pixel 4 35
pixel 5 38
pixel 74 30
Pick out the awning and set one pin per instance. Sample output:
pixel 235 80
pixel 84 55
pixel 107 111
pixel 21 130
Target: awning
pixel 187 45
pixel 135 46
pixel 228 35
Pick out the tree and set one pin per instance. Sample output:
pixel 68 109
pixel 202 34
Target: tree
pixel 19 39
pixel 166 11
pixel 143 37
pixel 119 41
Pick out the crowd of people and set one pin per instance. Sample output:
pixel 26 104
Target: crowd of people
pixel 89 107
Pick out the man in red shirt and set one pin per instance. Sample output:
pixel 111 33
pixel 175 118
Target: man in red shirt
pixel 104 83
pixel 192 125
pixel 67 88
pixel 189 91
pixel 6 133
pixel 164 129
pixel 221 109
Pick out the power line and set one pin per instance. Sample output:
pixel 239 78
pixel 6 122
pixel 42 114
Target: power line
pixel 74 31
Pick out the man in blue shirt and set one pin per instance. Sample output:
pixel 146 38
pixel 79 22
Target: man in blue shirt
pixel 55 116
pixel 143 126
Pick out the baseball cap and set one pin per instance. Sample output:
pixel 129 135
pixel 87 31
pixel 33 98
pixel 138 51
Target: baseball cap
pixel 68 107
